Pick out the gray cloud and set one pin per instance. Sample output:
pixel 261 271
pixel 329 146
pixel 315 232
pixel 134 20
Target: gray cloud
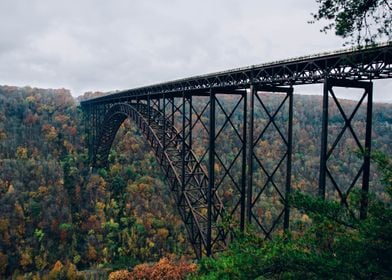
pixel 106 45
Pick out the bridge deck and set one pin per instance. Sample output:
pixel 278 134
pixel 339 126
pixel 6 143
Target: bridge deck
pixel 356 64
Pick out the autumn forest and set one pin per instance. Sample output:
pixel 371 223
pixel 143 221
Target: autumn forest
pixel 59 219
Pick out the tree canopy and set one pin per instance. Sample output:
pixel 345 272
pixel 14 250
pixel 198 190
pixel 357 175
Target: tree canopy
pixel 361 22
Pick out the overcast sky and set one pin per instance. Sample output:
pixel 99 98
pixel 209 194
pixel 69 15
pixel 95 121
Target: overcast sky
pixel 89 45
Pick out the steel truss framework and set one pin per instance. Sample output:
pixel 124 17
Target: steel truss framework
pixel 326 152
pixel 172 125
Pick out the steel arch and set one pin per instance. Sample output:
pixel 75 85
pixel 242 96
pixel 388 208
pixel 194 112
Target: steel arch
pixel 191 198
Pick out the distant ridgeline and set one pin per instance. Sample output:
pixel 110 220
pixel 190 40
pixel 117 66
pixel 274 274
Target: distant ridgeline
pixel 51 209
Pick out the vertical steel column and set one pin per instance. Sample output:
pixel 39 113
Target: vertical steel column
pixel 172 111
pixel 164 122
pixel 289 157
pixel 148 110
pixel 243 171
pixel 190 122
pixel 366 164
pixel 324 140
pixel 211 171
pixel 183 181
pixel 89 133
pixel 100 116
pixel 253 91
pixel 94 134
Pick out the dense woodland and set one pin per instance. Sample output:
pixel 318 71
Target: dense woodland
pixel 57 217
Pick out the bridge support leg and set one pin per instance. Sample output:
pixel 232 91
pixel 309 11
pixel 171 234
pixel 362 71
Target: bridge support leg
pixel 326 151
pixel 273 183
pixel 88 128
pixel 164 122
pixel 211 171
pixel 253 92
pixel 289 157
pixel 149 109
pixel 243 169
pixel 190 123
pixel 183 148
pixel 94 135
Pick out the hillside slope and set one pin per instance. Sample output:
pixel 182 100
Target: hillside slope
pixel 52 210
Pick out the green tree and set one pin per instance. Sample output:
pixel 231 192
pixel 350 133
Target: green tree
pixel 359 21
pixel 335 246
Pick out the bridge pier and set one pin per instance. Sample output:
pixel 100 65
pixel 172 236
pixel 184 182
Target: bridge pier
pixel 268 177
pixel 364 149
pixel 211 169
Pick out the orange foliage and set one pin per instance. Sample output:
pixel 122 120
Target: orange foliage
pixel 120 275
pixel 72 131
pixel 92 223
pixel 91 253
pixel 56 270
pixel 165 269
pixel 61 118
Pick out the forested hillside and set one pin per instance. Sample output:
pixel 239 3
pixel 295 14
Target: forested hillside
pixel 52 210
pixel 56 217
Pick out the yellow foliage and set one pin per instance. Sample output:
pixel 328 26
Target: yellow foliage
pixel 52 134
pixel 19 210
pixel 217 168
pixel 25 258
pixel 163 233
pixel 11 189
pixel 268 216
pixel 40 262
pixel 115 169
pixel 305 218
pixel 150 244
pixel 72 272
pixel 20 229
pixel 181 238
pixel 3 185
pixel 21 153
pixel 42 190
pixel 3 262
pixel 203 211
pixel 100 205
pixel 4 224
pixel 30 99
pixel 49 131
pixel 3 135
pixel 97 182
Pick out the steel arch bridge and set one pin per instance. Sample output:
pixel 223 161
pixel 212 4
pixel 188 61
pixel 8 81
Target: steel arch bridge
pixel 211 186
